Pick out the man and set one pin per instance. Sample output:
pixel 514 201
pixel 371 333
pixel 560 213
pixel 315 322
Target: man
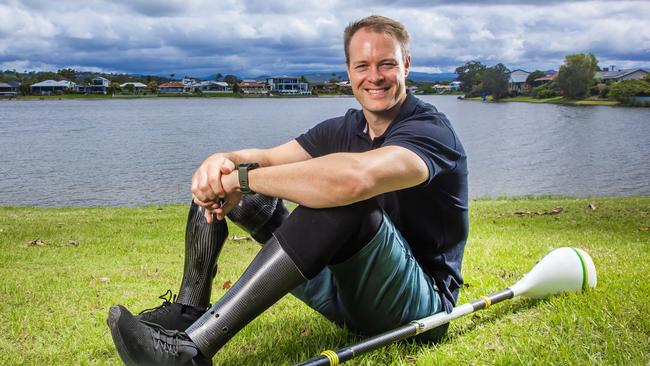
pixel 376 241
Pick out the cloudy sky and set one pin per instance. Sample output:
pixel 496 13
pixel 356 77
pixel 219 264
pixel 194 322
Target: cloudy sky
pixel 255 37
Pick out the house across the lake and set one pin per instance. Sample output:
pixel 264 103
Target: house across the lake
pixel 10 89
pixel 173 87
pixel 618 75
pixel 517 81
pixel 100 85
pixel 48 87
pixel 287 85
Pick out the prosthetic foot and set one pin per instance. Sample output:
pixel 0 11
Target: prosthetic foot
pixel 142 343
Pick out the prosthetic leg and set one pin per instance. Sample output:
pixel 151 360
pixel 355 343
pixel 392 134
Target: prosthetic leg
pixel 270 276
pixel 257 214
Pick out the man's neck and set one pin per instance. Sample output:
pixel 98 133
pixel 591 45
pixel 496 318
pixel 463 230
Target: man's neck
pixel 378 122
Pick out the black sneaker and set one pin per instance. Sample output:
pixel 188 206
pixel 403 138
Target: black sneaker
pixel 142 343
pixel 171 315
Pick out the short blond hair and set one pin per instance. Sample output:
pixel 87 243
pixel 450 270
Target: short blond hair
pixel 379 24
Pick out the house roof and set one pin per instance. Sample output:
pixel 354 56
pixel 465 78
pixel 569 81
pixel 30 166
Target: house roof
pixel 251 84
pixel 135 85
pixel 172 84
pixel 53 83
pixel 212 82
pixel 518 76
pixel 547 77
pixel 616 74
pixel 11 84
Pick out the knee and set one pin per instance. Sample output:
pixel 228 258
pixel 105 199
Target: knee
pixel 359 219
pixel 259 215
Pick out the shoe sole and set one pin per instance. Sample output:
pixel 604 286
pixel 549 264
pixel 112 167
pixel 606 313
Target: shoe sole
pixel 114 315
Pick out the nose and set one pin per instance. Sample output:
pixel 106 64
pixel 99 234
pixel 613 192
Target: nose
pixel 375 75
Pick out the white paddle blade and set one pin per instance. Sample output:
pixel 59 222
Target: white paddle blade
pixel 562 270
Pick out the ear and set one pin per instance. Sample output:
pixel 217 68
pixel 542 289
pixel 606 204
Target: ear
pixel 407 65
pixel 347 69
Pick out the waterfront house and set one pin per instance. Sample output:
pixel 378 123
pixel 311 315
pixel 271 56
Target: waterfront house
pixel 211 86
pixel 287 85
pixel 136 87
pixel 252 87
pixel 83 88
pixel 550 76
pixel 48 87
pixel 455 85
pixel 618 75
pixel 173 87
pixel 100 85
pixel 10 89
pixel 517 81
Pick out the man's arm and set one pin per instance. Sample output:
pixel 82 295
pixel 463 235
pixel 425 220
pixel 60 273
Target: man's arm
pixel 207 190
pixel 337 179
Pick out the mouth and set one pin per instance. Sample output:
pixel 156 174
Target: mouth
pixel 376 91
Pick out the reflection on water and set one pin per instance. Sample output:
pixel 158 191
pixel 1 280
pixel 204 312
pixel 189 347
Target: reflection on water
pixel 134 152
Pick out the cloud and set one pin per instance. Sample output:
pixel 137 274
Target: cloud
pixel 253 37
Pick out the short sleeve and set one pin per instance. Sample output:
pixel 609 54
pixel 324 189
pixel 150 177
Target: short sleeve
pixel 432 138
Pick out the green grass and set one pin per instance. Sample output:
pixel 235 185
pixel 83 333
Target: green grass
pixel 55 296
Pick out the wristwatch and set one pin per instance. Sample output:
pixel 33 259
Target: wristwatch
pixel 243 177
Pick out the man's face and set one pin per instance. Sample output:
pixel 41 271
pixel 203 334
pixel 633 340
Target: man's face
pixel 377 71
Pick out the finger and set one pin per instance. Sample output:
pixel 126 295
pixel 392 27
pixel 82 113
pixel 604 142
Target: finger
pixel 227 167
pixel 208 216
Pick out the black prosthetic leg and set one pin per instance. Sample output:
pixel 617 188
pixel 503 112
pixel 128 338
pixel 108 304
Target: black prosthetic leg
pixel 270 276
pixel 257 214
pixel 203 243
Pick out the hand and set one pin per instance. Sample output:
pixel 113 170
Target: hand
pixel 207 190
pixel 230 184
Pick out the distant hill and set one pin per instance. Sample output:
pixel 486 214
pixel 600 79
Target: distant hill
pixel 323 76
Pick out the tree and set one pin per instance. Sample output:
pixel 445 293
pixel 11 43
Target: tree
pixel 153 86
pixel 218 76
pixel 303 79
pixel 113 88
pixel 172 76
pixel 577 75
pixel 68 74
pixel 530 80
pixel 495 81
pixel 231 79
pixel 469 75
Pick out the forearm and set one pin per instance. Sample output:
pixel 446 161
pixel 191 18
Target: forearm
pixel 328 181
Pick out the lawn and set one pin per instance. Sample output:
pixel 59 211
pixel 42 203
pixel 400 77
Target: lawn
pixel 62 268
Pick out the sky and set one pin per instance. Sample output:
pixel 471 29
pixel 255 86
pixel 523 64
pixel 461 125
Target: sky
pixel 263 37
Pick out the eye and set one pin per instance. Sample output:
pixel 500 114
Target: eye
pixel 361 67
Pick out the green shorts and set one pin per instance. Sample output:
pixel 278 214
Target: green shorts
pixel 379 288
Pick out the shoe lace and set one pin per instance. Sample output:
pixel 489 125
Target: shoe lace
pixel 168 298
pixel 168 341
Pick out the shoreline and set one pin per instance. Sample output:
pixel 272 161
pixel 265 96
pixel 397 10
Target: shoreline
pixel 554 100
pixel 503 198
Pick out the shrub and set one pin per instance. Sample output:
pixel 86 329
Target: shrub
pixel 626 89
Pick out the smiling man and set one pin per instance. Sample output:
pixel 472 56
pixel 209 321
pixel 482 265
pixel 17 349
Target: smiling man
pixel 376 241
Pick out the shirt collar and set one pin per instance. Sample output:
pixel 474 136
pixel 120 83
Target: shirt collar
pixel 407 110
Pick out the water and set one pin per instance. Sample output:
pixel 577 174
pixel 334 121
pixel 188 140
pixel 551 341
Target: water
pixel 144 151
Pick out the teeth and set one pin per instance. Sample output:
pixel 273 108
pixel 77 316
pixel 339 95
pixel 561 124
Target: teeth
pixel 372 91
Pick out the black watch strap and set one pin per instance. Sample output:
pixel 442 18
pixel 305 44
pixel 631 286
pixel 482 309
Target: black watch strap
pixel 243 170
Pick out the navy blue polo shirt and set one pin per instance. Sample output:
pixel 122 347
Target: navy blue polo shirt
pixel 433 216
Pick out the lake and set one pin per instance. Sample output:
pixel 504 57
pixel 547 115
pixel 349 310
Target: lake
pixel 144 151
